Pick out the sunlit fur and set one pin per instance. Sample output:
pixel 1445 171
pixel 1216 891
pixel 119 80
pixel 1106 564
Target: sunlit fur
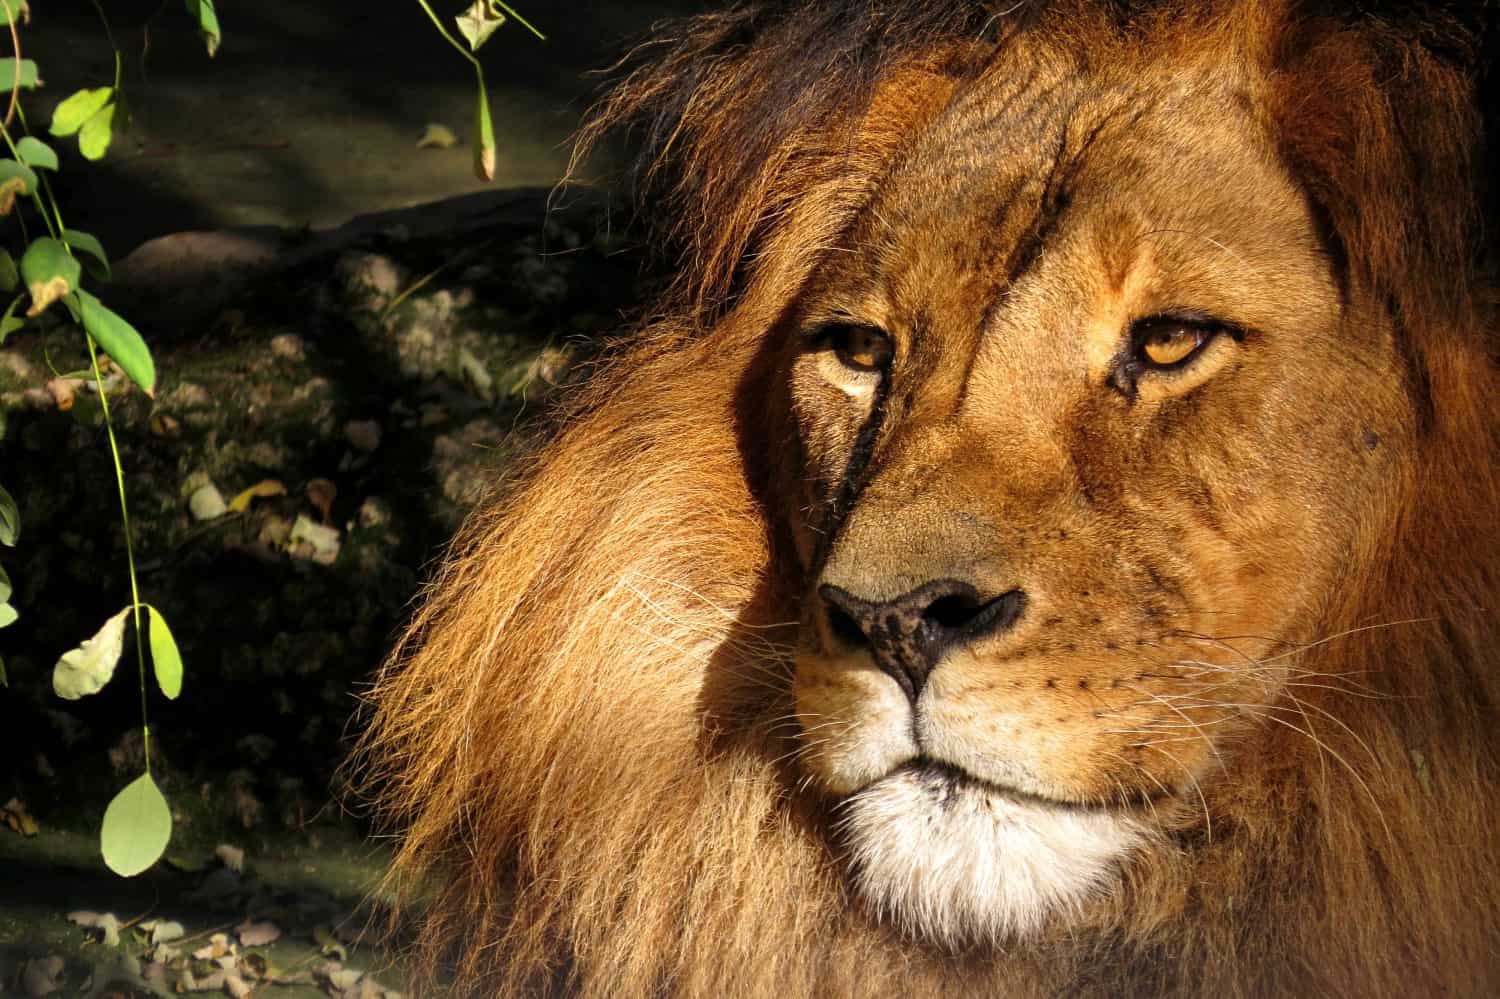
pixel 599 743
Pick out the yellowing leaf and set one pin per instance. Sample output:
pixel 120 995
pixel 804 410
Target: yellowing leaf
pixel 86 669
pixel 44 293
pixel 137 827
pixel 165 659
pixel 484 140
pixel 16 179
pixel 437 137
pixel 95 135
pixel 14 10
pixel 203 12
pixel 10 188
pixel 77 109
pixel 50 272
pixel 479 22
pixel 261 490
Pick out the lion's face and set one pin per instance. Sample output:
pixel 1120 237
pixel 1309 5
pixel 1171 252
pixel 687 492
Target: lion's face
pixel 1087 431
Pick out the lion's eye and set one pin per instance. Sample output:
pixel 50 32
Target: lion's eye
pixel 1166 349
pixel 863 348
pixel 1168 343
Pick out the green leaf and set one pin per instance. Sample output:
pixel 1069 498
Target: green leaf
pixel 8 615
pixel 86 669
pixel 137 828
pixel 77 109
pixel 203 12
pixel 36 153
pixel 4 682
pixel 479 22
pixel 164 656
pixel 16 180
pixel 95 260
pixel 484 139
pixel 8 73
pixel 5 588
pixel 12 10
pixel 8 322
pixel 119 340
pixel 95 135
pixel 10 519
pixel 10 277
pixel 50 272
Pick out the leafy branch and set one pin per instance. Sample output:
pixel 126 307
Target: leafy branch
pixel 477 23
pixel 137 822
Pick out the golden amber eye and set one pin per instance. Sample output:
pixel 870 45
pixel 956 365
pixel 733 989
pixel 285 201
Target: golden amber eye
pixel 1169 345
pixel 863 348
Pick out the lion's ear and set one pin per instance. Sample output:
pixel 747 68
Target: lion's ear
pixel 742 116
pixel 1380 123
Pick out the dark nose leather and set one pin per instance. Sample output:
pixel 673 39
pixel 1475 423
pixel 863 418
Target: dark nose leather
pixel 908 636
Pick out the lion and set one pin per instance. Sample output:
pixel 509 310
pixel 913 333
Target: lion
pixel 1045 544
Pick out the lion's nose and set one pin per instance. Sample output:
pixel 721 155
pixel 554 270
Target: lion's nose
pixel 907 636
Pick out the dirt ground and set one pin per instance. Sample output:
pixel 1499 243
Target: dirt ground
pixel 357 373
pixel 310 112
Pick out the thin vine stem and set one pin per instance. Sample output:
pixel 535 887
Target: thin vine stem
pixel 15 40
pixel 442 30
pixel 110 36
pixel 135 592
pixel 519 19
pixel 46 185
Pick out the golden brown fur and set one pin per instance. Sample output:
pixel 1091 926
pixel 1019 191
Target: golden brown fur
pixel 598 740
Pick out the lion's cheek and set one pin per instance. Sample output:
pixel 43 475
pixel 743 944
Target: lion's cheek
pixel 855 722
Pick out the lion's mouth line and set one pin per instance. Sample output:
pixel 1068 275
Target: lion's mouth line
pixel 945 781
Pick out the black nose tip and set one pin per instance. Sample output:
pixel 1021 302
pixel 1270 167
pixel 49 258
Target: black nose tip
pixel 907 636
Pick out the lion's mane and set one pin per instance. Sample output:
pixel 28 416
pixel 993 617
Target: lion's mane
pixel 582 739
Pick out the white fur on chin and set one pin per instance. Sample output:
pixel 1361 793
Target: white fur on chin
pixel 958 863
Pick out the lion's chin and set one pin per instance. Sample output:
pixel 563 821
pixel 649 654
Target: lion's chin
pixel 959 862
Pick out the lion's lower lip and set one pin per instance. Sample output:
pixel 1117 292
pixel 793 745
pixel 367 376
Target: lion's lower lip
pixel 944 779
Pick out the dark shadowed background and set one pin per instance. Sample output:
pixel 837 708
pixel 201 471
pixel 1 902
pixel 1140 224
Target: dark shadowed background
pixel 371 377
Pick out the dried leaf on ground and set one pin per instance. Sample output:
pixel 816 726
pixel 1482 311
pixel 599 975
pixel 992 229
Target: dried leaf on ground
pixel 321 493
pixel 261 490
pixel 437 136
pixel 232 857
pixel 257 933
pixel 318 542
pixel 218 945
pixel 207 503
pixel 17 819
pixel 107 923
pixel 165 930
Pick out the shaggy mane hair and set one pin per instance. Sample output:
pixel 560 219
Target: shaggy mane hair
pixel 582 739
